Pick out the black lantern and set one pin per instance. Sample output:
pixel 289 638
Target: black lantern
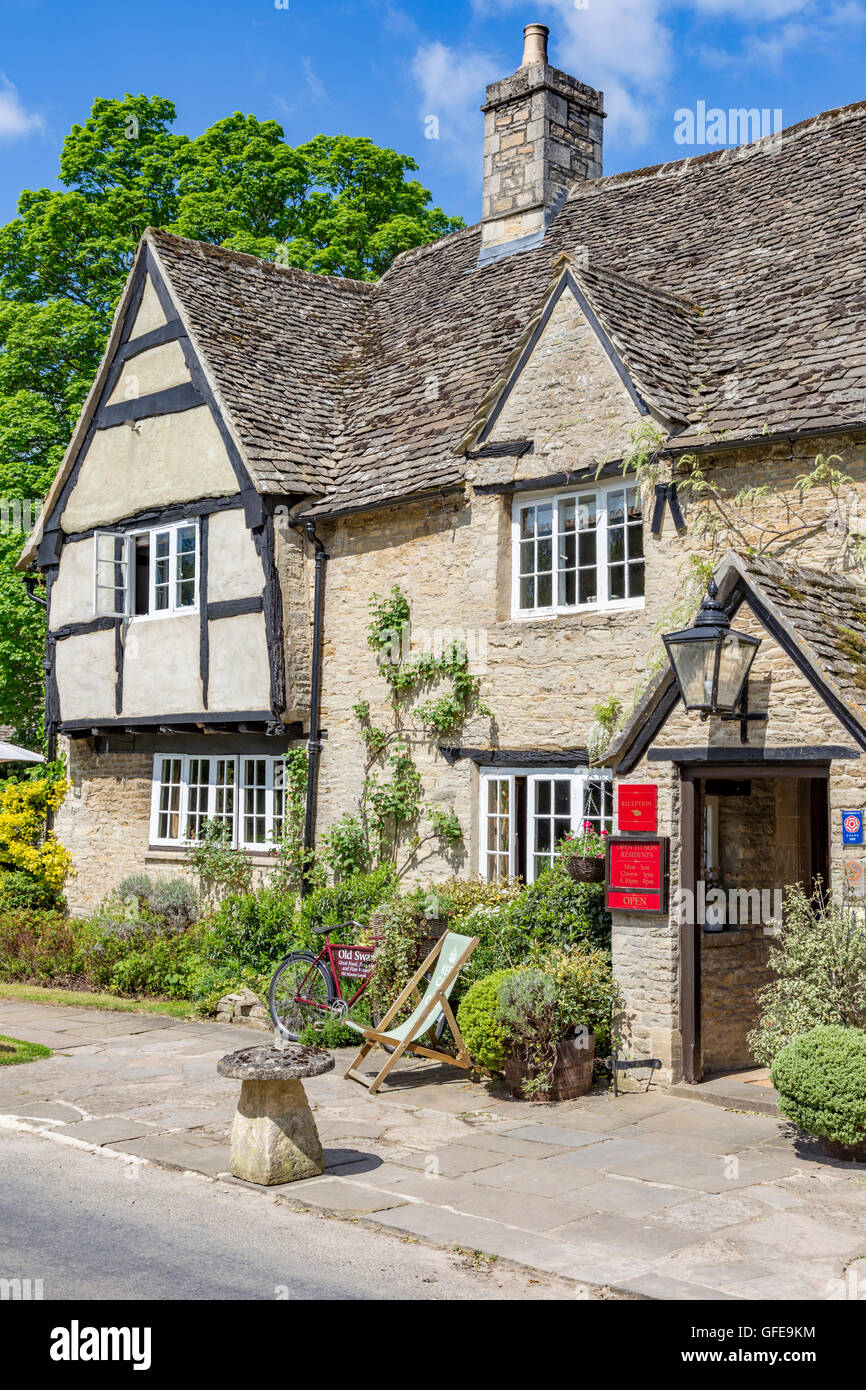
pixel 712 662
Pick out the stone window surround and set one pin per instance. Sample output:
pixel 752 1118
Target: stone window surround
pixel 578 780
pixel 271 799
pixel 129 567
pixel 599 491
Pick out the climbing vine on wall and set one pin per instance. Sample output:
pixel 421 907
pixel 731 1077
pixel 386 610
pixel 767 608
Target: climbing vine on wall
pixel 430 693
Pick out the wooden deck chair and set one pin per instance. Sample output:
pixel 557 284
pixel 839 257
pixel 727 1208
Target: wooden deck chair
pixel 446 960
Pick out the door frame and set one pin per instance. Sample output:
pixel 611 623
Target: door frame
pixel 691 934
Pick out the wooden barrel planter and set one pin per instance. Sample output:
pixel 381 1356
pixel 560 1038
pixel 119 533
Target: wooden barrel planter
pixel 586 868
pixel 572 1070
pixel 849 1153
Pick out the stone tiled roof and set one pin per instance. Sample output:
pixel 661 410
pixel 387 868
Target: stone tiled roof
pixel 732 285
pixel 825 614
pixel 818 616
pixel 280 344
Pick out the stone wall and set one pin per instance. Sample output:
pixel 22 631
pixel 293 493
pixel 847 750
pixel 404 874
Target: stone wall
pixel 104 821
pixel 733 970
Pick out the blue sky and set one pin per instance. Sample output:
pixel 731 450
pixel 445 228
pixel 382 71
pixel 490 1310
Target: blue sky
pixel 378 67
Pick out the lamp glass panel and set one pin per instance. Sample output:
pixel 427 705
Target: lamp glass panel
pixel 695 663
pixel 736 659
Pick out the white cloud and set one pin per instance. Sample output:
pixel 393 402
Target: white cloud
pixel 315 86
pixel 751 11
pixel 623 47
pixel 452 83
pixel 815 27
pixel 15 120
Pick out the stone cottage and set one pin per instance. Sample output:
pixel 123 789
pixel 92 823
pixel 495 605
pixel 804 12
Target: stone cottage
pixel 501 427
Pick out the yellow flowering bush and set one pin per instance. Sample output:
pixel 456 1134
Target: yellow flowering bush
pixel 23 841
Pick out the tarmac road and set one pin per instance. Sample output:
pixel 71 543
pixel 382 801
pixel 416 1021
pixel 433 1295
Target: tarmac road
pixel 88 1229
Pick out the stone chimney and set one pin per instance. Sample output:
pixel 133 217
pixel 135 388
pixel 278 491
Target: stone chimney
pixel 542 135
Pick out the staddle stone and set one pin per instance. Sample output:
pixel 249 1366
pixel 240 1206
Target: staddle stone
pixel 274 1135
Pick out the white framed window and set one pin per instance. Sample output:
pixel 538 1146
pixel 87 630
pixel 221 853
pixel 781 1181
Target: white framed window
pixel 147 573
pixel 578 550
pixel 110 574
pixel 245 793
pixel 525 814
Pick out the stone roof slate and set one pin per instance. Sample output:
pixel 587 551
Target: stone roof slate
pixel 730 284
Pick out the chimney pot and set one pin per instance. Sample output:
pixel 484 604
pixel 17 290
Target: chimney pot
pixel 535 38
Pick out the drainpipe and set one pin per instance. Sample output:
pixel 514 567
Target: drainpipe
pixel 314 745
pixel 30 581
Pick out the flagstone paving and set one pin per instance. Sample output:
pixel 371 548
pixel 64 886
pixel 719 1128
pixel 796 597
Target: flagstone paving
pixel 653 1195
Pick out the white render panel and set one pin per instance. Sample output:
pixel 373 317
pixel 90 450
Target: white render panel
pixel 86 677
pixel 234 568
pixel 154 462
pixel 161 669
pixel 240 677
pixel 72 590
pixel 154 370
pixel 150 314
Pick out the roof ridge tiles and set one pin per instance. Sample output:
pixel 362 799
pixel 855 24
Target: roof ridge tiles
pixel 205 249
pixel 729 154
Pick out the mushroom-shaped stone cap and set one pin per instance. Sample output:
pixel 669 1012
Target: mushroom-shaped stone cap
pixel 291 1063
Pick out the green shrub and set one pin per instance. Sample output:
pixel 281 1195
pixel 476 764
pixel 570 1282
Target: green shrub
pixel 206 983
pixel 478 1021
pixel 557 911
pixel 526 1009
pixel 254 929
pixel 586 992
pixel 330 1033
pixel 502 944
pixel 821 1080
pixel 407 938
pixel 23 891
pixel 172 901
pixel 449 904
pixel 38 947
pixel 355 897
pixel 819 961
pixel 221 870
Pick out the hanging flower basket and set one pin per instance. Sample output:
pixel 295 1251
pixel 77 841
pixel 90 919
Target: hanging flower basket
pixel 583 854
pixel 585 868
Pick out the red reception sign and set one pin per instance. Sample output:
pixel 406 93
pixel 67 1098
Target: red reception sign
pixel 637 874
pixel 637 807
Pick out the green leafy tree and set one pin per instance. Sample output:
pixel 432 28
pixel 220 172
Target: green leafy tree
pixel 337 205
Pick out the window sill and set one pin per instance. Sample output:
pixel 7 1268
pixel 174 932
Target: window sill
pixel 160 617
pixel 578 614
pixel 167 854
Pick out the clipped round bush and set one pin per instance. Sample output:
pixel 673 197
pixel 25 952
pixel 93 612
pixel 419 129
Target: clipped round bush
pixel 821 1080
pixel 477 1019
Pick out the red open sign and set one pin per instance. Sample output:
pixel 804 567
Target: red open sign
pixel 636 873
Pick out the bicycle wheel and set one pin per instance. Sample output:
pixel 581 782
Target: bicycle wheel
pixel 301 992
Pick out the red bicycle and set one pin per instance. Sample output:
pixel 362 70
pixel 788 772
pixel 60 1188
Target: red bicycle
pixel 307 988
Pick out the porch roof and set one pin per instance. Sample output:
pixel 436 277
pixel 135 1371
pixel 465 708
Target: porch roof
pixel 818 618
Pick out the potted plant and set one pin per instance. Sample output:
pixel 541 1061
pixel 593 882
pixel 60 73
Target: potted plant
pixel 583 854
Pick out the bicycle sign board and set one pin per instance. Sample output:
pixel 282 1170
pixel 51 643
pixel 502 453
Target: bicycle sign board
pixel 352 962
